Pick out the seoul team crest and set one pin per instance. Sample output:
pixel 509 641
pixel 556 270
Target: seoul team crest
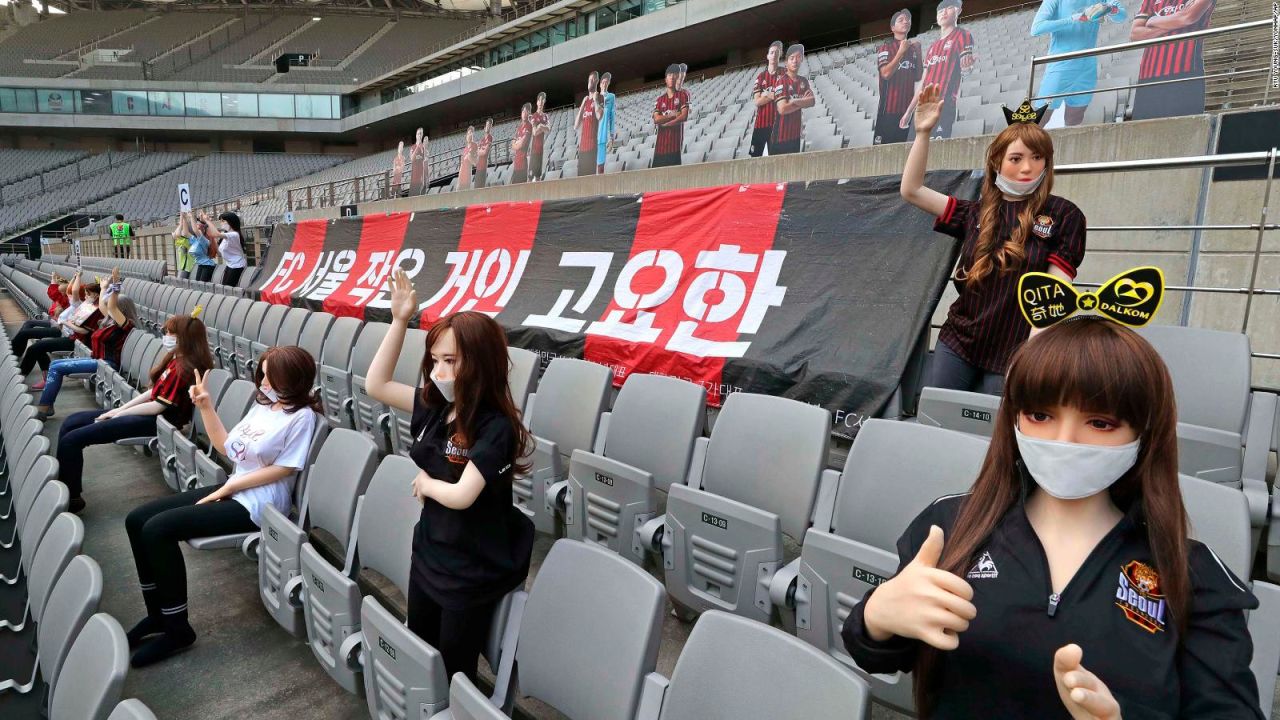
pixel 1140 597
pixel 1043 226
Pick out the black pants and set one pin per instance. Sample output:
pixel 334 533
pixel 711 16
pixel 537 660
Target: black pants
pixel 784 147
pixel 32 329
pixel 666 160
pixel 480 178
pixel 535 166
pixel 155 530
pixel 1181 98
pixel 953 372
pixel 37 353
pixel 760 138
pixel 124 251
pixel 946 120
pixel 79 431
pixel 231 276
pixel 887 130
pixel 459 635
pixel 204 273
pixel 519 175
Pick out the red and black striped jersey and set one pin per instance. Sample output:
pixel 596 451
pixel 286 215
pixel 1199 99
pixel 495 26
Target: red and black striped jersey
pixel 1178 57
pixel 536 119
pixel 482 147
pixel 172 389
pixel 984 325
pixel 942 61
pixel 587 134
pixel 767 114
pixel 897 90
pixel 107 341
pixel 790 88
pixel 670 136
pixel 520 157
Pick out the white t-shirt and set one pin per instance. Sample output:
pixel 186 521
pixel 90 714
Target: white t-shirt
pixel 231 250
pixel 66 315
pixel 268 437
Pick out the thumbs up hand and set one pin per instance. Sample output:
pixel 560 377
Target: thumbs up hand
pixel 922 602
pixel 1083 694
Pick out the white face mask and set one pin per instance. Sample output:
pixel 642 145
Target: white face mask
pixel 271 393
pixel 1071 471
pixel 169 342
pixel 445 387
pixel 1014 188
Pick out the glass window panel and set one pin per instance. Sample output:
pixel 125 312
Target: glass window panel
pixel 55 101
pixel 204 104
pixel 164 102
pixel 240 104
pixel 94 102
pixel 276 106
pixel 129 102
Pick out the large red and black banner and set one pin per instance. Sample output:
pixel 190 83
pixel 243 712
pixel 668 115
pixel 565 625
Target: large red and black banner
pixel 814 291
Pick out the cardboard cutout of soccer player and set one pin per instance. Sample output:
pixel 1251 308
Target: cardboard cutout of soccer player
pixel 684 98
pixel 947 60
pixel 669 114
pixel 901 65
pixel 520 146
pixel 586 122
pixel 467 159
pixel 397 171
pixel 541 126
pixel 764 98
pixel 606 133
pixel 418 164
pixel 794 95
pixel 482 156
pixel 1171 60
pixel 1072 25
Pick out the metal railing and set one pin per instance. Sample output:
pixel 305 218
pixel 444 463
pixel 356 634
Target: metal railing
pixel 1139 45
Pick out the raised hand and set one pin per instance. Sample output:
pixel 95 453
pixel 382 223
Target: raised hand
pixel 922 602
pixel 200 393
pixel 404 299
pixel 1083 694
pixel 928 108
pixel 115 275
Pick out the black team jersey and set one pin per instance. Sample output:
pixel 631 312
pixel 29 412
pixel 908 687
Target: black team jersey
pixel 897 90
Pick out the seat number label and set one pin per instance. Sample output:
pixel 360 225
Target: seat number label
pixel 604 479
pixel 715 521
pixel 387 648
pixel 972 414
pixel 867 576
pixel 316 581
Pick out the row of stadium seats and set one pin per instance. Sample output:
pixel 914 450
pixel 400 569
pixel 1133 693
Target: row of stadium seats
pixel 79 656
pixel 17 165
pixel 765 491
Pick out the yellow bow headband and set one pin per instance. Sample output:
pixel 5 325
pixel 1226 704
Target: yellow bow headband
pixel 1130 298
pixel 196 313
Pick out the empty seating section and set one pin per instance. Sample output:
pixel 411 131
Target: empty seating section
pixel 220 65
pixel 59 36
pixel 16 165
pixel 146 42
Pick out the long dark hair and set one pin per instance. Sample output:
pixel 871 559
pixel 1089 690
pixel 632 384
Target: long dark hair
pixel 192 349
pixel 1094 365
pixel 231 219
pixel 989 253
pixel 292 372
pixel 481 381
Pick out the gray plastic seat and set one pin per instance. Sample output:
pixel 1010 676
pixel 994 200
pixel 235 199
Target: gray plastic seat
pixel 42 501
pixel 395 422
pixel 212 315
pixel 563 416
pixel 231 322
pixel 102 377
pixel 522 376
pixel 72 600
pixel 893 471
pixel 969 412
pixel 381 536
pixel 312 331
pixel 270 329
pixel 234 405
pixel 755 480
pixel 1219 518
pixel 242 342
pixel 588 610
pixel 60 543
pixel 731 667
pixel 644 445
pixel 92 676
pixel 365 411
pixel 339 476
pixel 132 709
pixel 216 382
pixel 335 371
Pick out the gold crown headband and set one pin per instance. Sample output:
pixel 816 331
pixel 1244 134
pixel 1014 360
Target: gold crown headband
pixel 1024 113
pixel 1130 298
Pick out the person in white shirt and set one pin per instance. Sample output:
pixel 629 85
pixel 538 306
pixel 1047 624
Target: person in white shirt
pixel 268 447
pixel 227 232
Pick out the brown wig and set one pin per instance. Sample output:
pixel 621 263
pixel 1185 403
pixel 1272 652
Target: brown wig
pixel 481 379
pixel 292 373
pixel 193 346
pixel 92 288
pixel 1096 366
pixel 992 251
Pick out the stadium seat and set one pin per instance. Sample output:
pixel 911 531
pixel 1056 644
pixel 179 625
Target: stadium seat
pixel 563 416
pixel 252 327
pixel 731 667
pixel 893 471
pixel 588 609
pixel 48 499
pixel 381 536
pixel 166 440
pixel 131 709
pixel 203 469
pixel 92 676
pixel 270 329
pixel 339 475
pixel 753 482
pixel 644 445
pixel 61 542
pixel 335 371
pixel 394 423
pixel 72 600
pixel 968 412
pixel 365 411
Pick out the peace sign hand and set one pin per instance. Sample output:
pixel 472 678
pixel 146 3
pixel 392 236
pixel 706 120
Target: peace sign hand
pixel 404 299
pixel 199 393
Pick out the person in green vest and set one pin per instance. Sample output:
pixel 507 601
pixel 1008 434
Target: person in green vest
pixel 182 236
pixel 122 237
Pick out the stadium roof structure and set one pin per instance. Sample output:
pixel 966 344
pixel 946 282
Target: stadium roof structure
pixel 477 9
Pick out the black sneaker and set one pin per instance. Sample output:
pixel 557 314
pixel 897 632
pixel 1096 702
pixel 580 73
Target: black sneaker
pixel 76 505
